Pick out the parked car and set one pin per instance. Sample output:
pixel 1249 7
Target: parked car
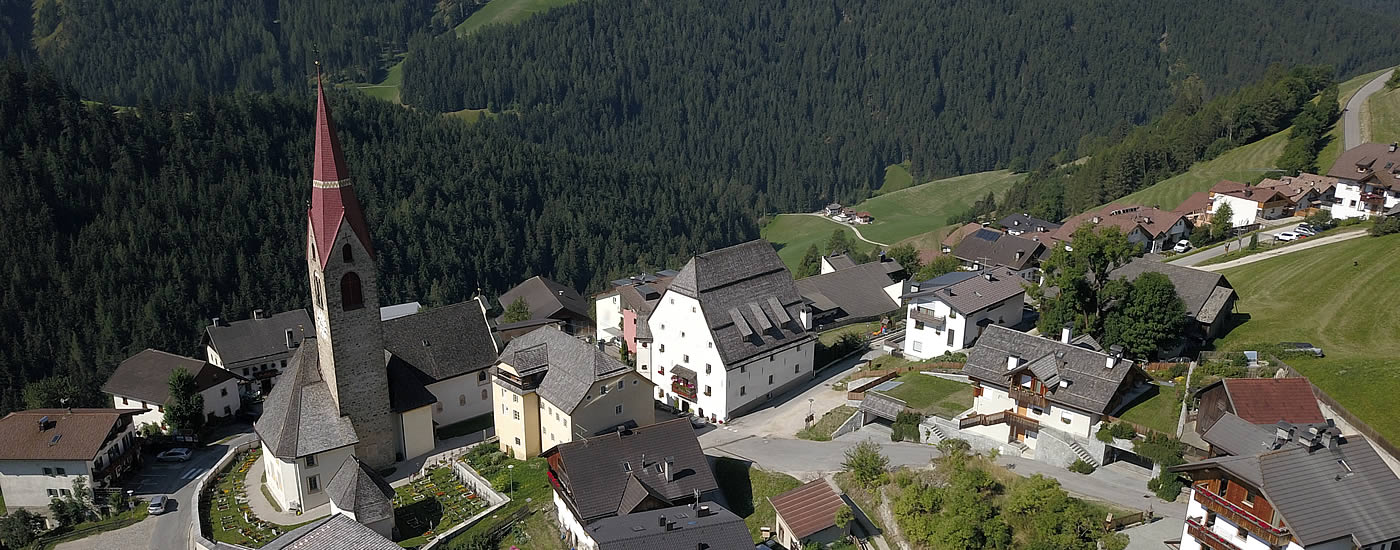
pixel 1287 236
pixel 157 505
pixel 1182 246
pixel 174 455
pixel 1305 229
pixel 1301 347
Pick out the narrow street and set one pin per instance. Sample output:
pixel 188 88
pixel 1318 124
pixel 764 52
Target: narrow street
pixel 1352 134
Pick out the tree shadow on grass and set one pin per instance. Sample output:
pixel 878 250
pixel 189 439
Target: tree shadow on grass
pixel 732 475
pixel 418 518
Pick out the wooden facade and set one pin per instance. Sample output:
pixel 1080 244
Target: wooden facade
pixel 1214 404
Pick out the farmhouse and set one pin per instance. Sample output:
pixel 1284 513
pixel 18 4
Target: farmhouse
pixel 1249 205
pixel 1368 180
pixel 46 449
pixel 948 313
pixel 550 300
pixel 1018 224
pixel 1305 191
pixel 986 248
pixel 853 294
pixel 258 348
pixel 1196 208
pixel 1151 228
pixel 1208 296
pixel 142 381
pixel 730 332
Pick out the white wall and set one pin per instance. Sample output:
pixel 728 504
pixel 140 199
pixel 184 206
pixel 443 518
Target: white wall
pixel 1243 212
pixel 24 482
pixel 153 414
pixel 287 479
pixel 1226 530
pixel 571 525
pixel 461 397
pixel 224 395
pixel 1349 203
pixel 609 312
pixel 212 356
pixel 416 431
pixel 933 343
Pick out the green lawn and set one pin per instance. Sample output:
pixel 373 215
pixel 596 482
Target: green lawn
pixel 863 329
pixel 897 177
pixel 531 485
pixel 1333 149
pixel 1267 242
pixel 505 12
pixel 747 489
pixel 1384 109
pixel 795 232
pixel 1239 164
pixel 1158 411
pixel 1320 296
pixel 387 89
pixel 821 430
pixel 926 207
pixel 136 514
pixel 470 425
pixel 432 504
pixel 932 395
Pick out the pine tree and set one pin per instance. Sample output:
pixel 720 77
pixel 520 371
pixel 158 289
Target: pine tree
pixel 517 311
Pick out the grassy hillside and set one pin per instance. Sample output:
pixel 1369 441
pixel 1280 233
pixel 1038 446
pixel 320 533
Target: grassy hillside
pixel 1320 296
pixel 506 12
pixel 896 178
pixel 922 208
pixel 1384 109
pixel 795 232
pixel 1240 163
pixel 1345 90
pixel 387 89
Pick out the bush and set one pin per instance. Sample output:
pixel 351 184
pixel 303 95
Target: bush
pixel 1166 486
pixel 950 357
pixel 867 465
pixel 1221 369
pixel 1081 467
pixel 1122 430
pixel 906 427
pixel 1104 434
pixel 1386 226
pixel 904 478
pixel 1160 448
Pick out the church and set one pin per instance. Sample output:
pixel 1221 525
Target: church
pixel 363 389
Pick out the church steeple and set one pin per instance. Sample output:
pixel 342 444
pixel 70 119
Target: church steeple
pixel 332 195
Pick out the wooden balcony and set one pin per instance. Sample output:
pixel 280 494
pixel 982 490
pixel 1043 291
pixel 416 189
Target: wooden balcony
pixel 1025 397
pixel 1007 417
pixel 1017 421
pixel 927 317
pixel 1277 537
pixel 1206 537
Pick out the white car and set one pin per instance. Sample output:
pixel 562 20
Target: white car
pixel 1182 246
pixel 1287 236
pixel 174 455
pixel 157 505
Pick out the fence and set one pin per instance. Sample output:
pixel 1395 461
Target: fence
pixel 1114 523
pixel 859 393
pixel 470 478
pixel 199 539
pixel 1362 427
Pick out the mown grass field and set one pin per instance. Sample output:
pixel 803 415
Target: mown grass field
pixel 1333 296
pixel 505 12
pixel 897 177
pixel 926 207
pixel 795 232
pixel 387 89
pixel 1239 164
pixel 1385 116
pixel 1345 90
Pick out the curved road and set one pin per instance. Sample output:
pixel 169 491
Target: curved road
pixel 853 227
pixel 1351 119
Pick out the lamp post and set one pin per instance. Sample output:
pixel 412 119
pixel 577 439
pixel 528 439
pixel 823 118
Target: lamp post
pixel 809 411
pixel 129 503
pixel 511 467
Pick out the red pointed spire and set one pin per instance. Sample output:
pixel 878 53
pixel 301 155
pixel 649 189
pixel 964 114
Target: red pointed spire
pixel 332 196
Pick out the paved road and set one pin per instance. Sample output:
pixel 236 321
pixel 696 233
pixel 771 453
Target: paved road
pixel 852 226
pixel 1351 119
pixel 1309 243
pixel 1270 227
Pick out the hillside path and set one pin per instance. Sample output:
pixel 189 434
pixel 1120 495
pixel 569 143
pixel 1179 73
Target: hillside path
pixel 1351 119
pixel 856 229
pixel 1285 250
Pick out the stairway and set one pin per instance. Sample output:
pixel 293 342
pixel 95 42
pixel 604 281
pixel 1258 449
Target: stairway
pixel 1020 447
pixel 935 434
pixel 1082 454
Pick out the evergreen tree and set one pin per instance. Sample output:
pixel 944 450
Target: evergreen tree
pixel 1222 222
pixel 811 263
pixel 907 256
pixel 941 265
pixel 184 412
pixel 517 311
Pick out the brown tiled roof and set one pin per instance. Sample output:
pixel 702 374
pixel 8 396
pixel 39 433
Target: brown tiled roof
pixel 1372 163
pixel 808 509
pixel 1198 202
pixel 71 434
pixel 1246 192
pixel 1125 217
pixel 1295 187
pixel 1269 400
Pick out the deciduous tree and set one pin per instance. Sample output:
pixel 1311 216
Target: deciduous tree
pixel 1148 316
pixel 1080 275
pixel 184 412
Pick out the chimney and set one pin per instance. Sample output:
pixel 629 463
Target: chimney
pixel 1019 253
pixel 988 276
pixel 661 521
pixel 1393 146
pixel 1012 362
pixel 1115 353
pixel 291 339
pixel 667 470
pixel 216 321
pixel 1066 333
pixel 670 526
pixel 704 510
pixel 258 314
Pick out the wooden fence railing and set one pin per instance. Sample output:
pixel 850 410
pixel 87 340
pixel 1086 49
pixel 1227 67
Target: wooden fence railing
pixel 858 393
pixel 1114 523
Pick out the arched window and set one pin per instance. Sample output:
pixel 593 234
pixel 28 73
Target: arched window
pixel 462 400
pixel 350 295
pixel 346 254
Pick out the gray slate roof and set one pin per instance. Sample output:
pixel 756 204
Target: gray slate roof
pixel 721 530
pixel 337 532
pixel 359 489
pixel 858 290
pixel 251 339
pixel 300 417
pixel 742 283
pixel 595 470
pixel 984 289
pixel 840 261
pixel 546 298
pixel 1235 436
pixel 572 366
pixel 443 342
pixel 1204 293
pixel 988 247
pixel 1024 222
pixel 1092 386
pixel 146 375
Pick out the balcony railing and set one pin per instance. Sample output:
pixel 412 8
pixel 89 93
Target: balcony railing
pixel 1277 537
pixel 1028 398
pixel 1008 417
pixel 1206 537
pixel 1017 421
pixel 926 317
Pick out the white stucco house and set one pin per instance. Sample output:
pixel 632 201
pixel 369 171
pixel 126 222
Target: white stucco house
pixel 623 313
pixel 256 348
pixel 1249 205
pixel 1368 181
pixel 142 381
pixel 731 332
pixel 45 450
pixel 948 313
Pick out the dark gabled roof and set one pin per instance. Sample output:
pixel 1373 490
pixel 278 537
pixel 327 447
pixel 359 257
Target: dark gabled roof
pixel 720 530
pixel 1235 436
pixel 71 434
pixel 251 339
pixel 408 386
pixel 1025 222
pixel 1271 400
pixel 443 342
pixel 1091 387
pixel 337 532
pixel 1197 288
pixel 857 290
pixel 976 293
pixel 595 470
pixel 546 298
pixel 989 247
pixel 839 261
pixel 300 417
pixel 1372 163
pixel 359 489
pixel 808 509
pixel 146 375
pixel 642 293
pixel 571 365
pixel 737 288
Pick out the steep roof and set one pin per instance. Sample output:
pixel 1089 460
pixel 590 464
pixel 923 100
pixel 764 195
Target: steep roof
pixel 408 386
pixel 359 489
pixel 1197 288
pixel 571 365
pixel 70 434
pixel 595 470
pixel 976 293
pixel 642 293
pixel 1085 380
pixel 1295 187
pixel 546 298
pixel 1247 192
pixel 719 530
pixel 857 290
pixel 1235 436
pixel 300 417
pixel 1372 163
pixel 808 509
pixel 1126 217
pixel 146 375
pixel 443 342
pixel 839 261
pixel 337 532
pixel 1197 203
pixel 748 298
pixel 988 247
pixel 261 337
pixel 332 195
pixel 1270 400
pixel 957 235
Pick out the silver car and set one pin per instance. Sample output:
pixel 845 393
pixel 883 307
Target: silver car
pixel 157 505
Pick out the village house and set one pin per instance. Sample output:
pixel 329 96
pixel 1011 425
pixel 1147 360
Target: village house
pixel 550 300
pixel 652 483
pixel 45 450
pixel 1368 181
pixel 1045 398
pixel 1019 224
pixel 257 348
pixel 623 313
pixel 986 248
pixel 948 313
pixel 731 332
pixel 1295 488
pixel 552 388
pixel 1306 192
pixel 852 294
pixel 1258 401
pixel 957 235
pixel 1249 205
pixel 142 381
pixel 1153 229
pixel 1208 296
pixel 807 515
pixel 1196 208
